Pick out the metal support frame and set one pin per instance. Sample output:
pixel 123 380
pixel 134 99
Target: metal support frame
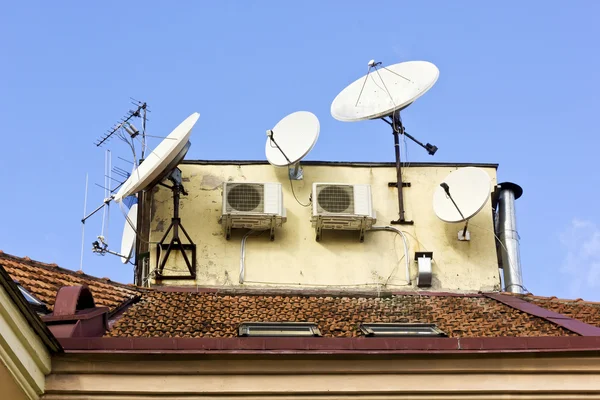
pixel 175 243
pixel 397 130
pixel 319 229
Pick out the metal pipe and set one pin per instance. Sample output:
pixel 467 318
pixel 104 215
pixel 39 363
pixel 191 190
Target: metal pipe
pixel 509 237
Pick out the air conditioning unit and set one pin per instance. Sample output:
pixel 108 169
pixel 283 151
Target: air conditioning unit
pixel 343 207
pixel 257 206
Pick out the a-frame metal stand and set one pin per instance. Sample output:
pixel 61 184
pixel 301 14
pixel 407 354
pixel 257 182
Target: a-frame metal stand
pixel 398 129
pixel 175 244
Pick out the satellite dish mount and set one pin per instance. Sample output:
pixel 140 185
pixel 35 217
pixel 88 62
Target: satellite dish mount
pixel 395 121
pixel 175 243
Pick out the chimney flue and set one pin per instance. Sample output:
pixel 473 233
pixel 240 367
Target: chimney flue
pixel 507 233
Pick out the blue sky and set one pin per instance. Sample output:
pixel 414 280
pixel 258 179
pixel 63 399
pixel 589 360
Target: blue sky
pixel 519 84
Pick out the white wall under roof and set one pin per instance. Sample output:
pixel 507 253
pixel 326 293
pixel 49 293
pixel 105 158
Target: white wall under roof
pixel 296 260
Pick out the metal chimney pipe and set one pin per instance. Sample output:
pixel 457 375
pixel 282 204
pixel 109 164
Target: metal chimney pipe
pixel 509 238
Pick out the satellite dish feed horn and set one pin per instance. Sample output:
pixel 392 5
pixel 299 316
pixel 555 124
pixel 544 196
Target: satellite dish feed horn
pixel 382 94
pixel 291 140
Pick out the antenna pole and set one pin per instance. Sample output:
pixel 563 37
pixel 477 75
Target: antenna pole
pixel 83 223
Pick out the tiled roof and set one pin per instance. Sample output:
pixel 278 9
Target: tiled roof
pixel 43 281
pixel 585 311
pixel 191 314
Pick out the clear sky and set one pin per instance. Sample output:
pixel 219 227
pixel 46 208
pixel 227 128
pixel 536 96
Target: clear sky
pixel 518 86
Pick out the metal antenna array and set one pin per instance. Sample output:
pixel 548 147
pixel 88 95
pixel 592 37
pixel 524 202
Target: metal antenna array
pixel 140 111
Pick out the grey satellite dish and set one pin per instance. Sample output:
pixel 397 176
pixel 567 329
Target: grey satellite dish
pixel 382 94
pixel 291 140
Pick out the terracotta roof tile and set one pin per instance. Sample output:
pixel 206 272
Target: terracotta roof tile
pixel 189 314
pixel 43 281
pixel 585 311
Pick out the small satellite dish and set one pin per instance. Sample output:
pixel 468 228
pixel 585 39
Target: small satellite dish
pixel 469 190
pixel 161 161
pixel 291 140
pixel 385 91
pixel 129 233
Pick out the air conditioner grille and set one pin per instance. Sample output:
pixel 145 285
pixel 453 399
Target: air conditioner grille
pixel 337 199
pixel 245 197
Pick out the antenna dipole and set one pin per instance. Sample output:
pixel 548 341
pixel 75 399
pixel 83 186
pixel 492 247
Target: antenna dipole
pixel 139 112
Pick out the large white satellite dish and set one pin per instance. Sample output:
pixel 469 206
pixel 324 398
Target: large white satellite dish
pixel 129 233
pixel 385 91
pixel 382 94
pixel 469 189
pixel 291 140
pixel 160 161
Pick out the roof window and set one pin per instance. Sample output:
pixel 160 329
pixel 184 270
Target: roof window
pixel 280 329
pixel 401 330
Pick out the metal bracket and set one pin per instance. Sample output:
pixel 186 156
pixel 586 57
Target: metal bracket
pixel 295 172
pixel 395 184
pixel 402 222
pixel 423 259
pixel 272 233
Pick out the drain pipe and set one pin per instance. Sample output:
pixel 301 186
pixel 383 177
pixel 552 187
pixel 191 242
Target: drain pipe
pixel 506 229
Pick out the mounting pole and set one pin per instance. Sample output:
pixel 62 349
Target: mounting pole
pixel 399 184
pixel 397 130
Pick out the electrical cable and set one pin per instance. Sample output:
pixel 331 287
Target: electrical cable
pixel 404 241
pixel 272 140
pixel 243 252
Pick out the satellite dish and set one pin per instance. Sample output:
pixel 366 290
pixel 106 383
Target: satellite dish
pixel 291 140
pixel 385 91
pixel 382 94
pixel 161 161
pixel 129 233
pixel 469 189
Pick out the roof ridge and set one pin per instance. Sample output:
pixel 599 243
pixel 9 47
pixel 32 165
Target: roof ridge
pixel 572 324
pixel 56 268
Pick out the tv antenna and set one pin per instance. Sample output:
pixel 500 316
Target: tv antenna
pixel 140 111
pixel 461 195
pixel 382 94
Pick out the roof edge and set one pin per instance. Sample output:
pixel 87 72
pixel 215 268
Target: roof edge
pixel 309 291
pixel 32 318
pixel 54 267
pixel 357 164
pixel 574 325
pixel 331 345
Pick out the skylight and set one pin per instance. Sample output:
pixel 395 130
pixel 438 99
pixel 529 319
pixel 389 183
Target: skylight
pixel 287 329
pixel 31 299
pixel 401 330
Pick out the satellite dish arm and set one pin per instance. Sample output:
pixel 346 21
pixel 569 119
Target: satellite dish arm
pixel 431 149
pixel 106 201
pixel 446 188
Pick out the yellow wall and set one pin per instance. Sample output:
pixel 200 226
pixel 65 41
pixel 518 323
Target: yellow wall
pixel 295 259
pixel 9 388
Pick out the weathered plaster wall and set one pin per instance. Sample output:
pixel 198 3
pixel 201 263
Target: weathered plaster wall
pixel 339 260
